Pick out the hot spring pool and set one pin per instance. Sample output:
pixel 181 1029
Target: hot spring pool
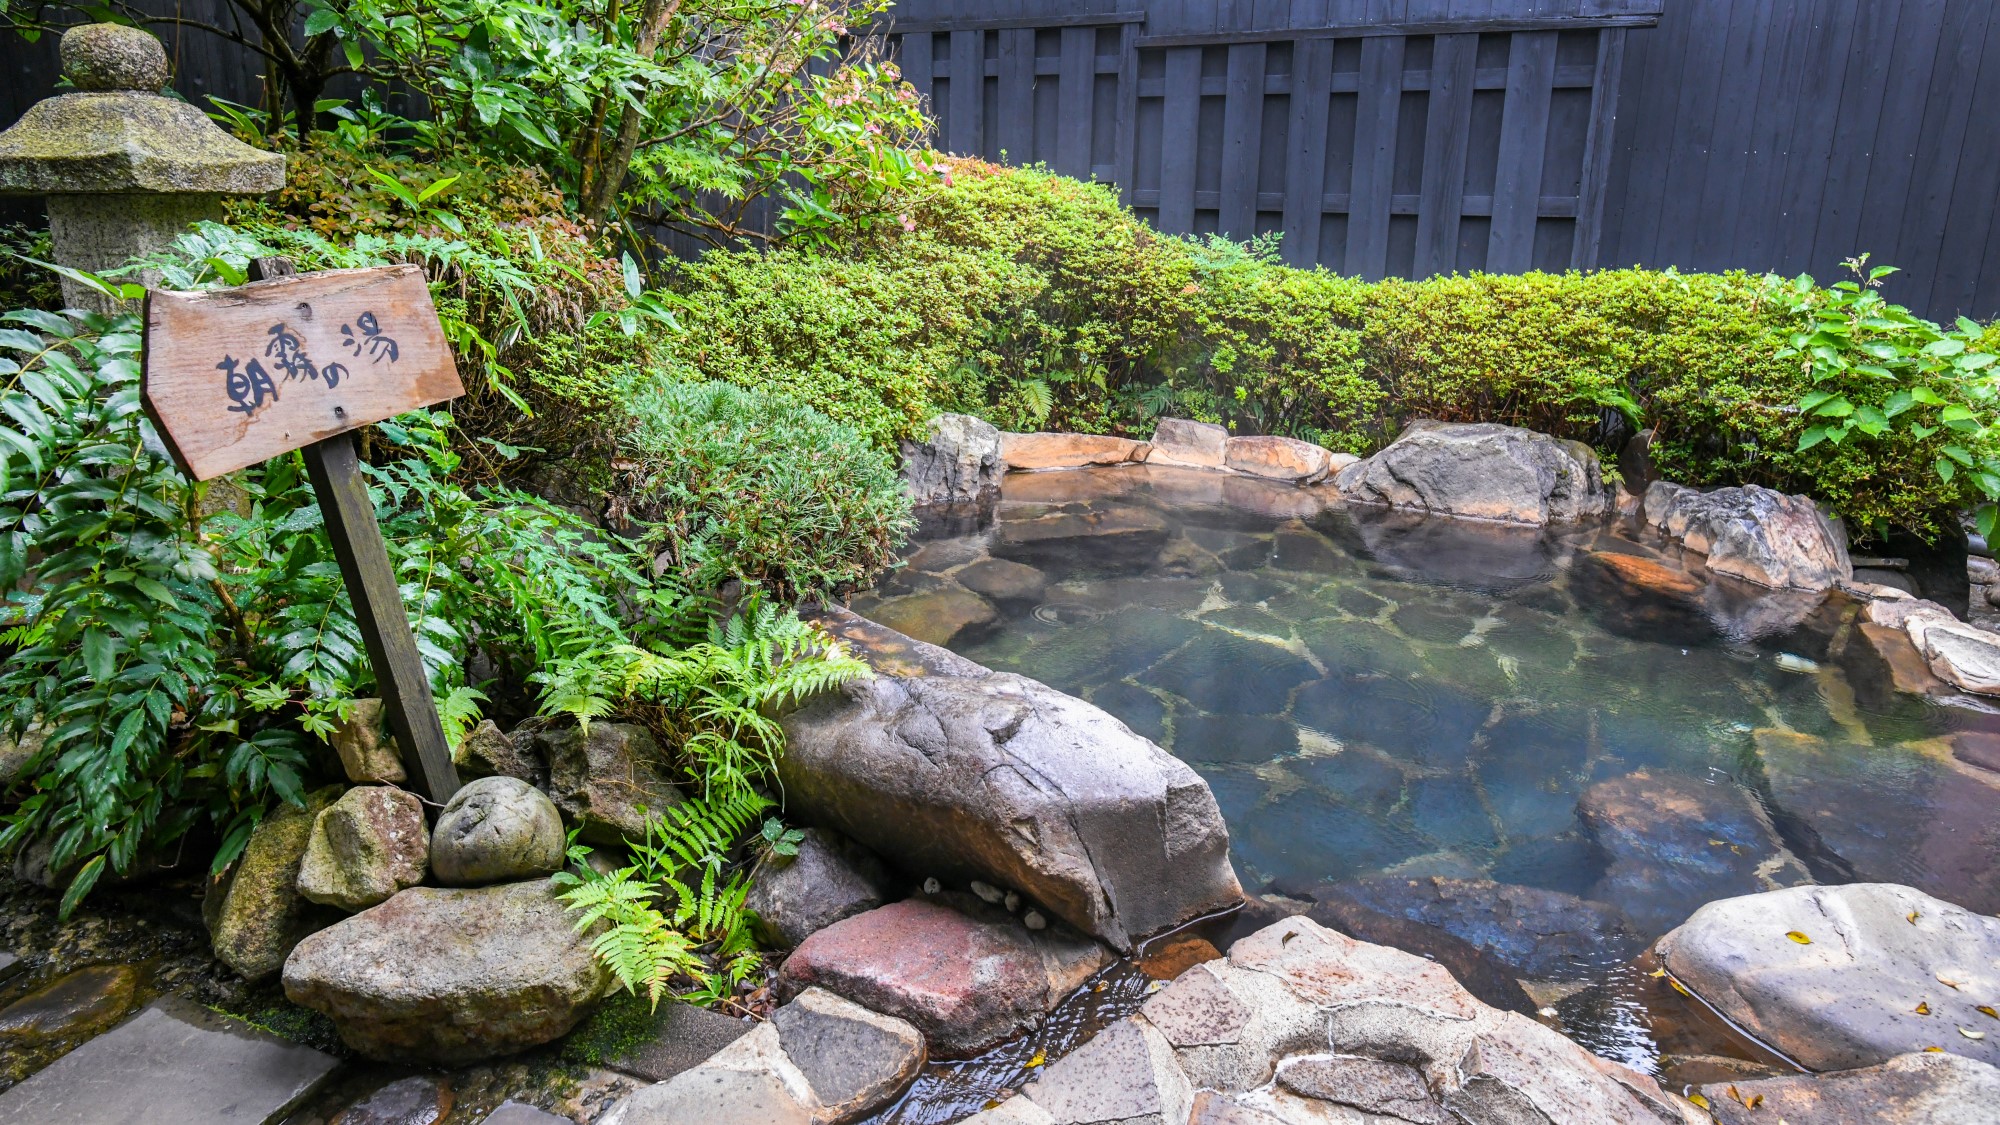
pixel 1550 747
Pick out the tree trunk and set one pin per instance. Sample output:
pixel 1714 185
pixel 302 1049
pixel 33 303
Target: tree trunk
pixel 608 177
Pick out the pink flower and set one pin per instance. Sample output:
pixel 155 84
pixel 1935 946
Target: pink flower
pixel 909 224
pixel 875 128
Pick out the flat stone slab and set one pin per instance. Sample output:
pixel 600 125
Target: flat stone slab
pixel 10 963
pixel 175 1061
pixel 521 1113
pixel 1918 1089
pixel 684 1036
pixel 1846 977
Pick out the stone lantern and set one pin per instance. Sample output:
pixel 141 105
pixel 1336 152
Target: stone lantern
pixel 125 169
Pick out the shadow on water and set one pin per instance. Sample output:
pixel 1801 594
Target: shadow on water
pixel 1437 722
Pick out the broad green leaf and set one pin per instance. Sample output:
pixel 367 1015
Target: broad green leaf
pixel 1811 437
pixel 321 21
pixel 1837 407
pixel 99 656
pixel 1946 470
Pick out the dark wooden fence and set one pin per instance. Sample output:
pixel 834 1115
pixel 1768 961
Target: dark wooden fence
pixel 1408 137
pixel 1394 137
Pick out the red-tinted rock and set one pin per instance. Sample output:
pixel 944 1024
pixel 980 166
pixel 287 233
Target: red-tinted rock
pixel 966 982
pixel 1067 451
pixel 1280 458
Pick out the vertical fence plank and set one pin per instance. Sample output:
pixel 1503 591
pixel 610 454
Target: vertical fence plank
pixel 1180 122
pixel 1524 135
pixel 1242 139
pixel 1128 110
pixel 1597 149
pixel 915 64
pixel 967 120
pixel 1076 93
pixel 1447 135
pixel 1017 95
pixel 1305 162
pixel 1379 102
pixel 1940 147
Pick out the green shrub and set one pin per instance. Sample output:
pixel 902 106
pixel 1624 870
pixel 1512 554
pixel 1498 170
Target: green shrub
pixel 753 485
pixel 1082 318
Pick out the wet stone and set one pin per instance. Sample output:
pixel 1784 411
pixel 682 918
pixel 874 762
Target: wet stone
pixel 520 1113
pixel 1233 738
pixel 1371 1085
pixel 416 1100
pixel 176 1061
pixel 1356 776
pixel 1538 933
pixel 77 1005
pixel 1921 1088
pixel 1197 1011
pixel 1002 580
pixel 1226 674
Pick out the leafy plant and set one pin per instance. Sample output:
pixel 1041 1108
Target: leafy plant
pixel 677 912
pixel 1878 370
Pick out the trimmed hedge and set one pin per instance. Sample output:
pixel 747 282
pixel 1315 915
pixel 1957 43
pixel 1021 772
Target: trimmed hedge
pixel 1036 301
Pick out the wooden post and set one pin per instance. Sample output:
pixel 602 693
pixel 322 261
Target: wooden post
pixel 334 466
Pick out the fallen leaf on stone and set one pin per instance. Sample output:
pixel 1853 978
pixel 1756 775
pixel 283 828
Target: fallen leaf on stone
pixel 1924 1008
pixel 1938 1050
pixel 1987 1010
pixel 1798 937
pixel 1656 974
pixel 1679 987
pixel 1287 939
pixel 1913 917
pixel 1946 981
pixel 1039 1059
pixel 990 1104
pixel 1101 986
pixel 1755 1101
pixel 1972 1034
pixel 1698 1100
pixel 1736 1095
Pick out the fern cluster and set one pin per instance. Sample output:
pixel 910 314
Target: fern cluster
pixel 678 911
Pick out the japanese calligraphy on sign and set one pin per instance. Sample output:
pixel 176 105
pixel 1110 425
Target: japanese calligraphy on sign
pixel 236 376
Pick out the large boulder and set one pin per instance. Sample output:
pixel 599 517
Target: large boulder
pixel 958 464
pixel 821 1060
pixel 1482 471
pixel 450 976
pixel 954 771
pixel 1674 842
pixel 966 977
pixel 489 752
pixel 1848 976
pixel 829 879
pixel 1281 458
pixel 255 913
pixel 1197 445
pixel 1301 1024
pixel 1068 451
pixel 494 830
pixel 608 779
pixel 1753 533
pixel 365 847
pixel 1921 1088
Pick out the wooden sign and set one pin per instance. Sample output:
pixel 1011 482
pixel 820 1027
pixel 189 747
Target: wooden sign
pixel 291 361
pixel 234 377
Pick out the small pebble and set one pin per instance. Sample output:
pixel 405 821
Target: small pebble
pixel 986 891
pixel 1013 902
pixel 1033 920
pixel 932 886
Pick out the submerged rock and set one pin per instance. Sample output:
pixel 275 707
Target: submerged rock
pixel 365 847
pixel 1546 935
pixel 1067 451
pixel 1482 471
pixel 946 768
pixel 829 879
pixel 1003 581
pixel 1922 1088
pixel 935 616
pixel 1753 533
pixel 256 914
pixel 966 978
pixel 494 830
pixel 1882 970
pixel 958 464
pixel 1674 843
pixel 450 976
pixel 1907 814
pixel 608 781
pixel 74 1006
